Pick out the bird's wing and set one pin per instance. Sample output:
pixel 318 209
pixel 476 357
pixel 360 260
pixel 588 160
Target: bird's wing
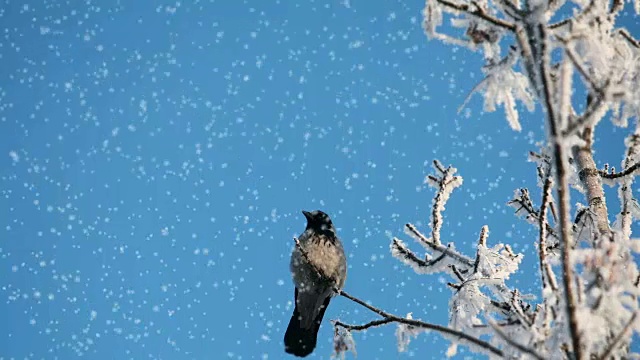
pixel 312 305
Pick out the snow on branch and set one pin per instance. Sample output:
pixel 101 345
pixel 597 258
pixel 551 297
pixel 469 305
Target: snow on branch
pixel 387 317
pixel 445 182
pixel 630 208
pixel 524 207
pixel 590 310
pixel 630 171
pixel 400 251
pixel 605 55
pixel 489 269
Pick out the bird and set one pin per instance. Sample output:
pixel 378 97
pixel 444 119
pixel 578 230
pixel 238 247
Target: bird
pixel 318 270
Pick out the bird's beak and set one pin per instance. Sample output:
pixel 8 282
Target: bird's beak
pixel 307 215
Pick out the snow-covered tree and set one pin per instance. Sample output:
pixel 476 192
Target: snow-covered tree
pixel 534 52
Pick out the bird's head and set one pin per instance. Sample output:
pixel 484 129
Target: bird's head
pixel 318 221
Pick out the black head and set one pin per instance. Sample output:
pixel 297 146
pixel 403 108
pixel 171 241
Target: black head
pixel 318 221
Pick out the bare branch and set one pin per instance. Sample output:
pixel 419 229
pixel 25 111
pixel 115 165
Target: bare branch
pixel 479 13
pixel 457 272
pixel 616 6
pixel 508 323
pixel 370 324
pixel 424 325
pixel 542 223
pixel 627 172
pixel 625 34
pixel 484 233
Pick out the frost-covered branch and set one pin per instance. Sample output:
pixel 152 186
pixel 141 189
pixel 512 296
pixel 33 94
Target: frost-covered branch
pixel 475 10
pixel 592 183
pixel 538 35
pixel 370 324
pixel 388 317
pixel 445 182
pixel 590 310
pixel 616 341
pixel 401 251
pixel 524 207
pixel 630 171
pixel 630 208
pixel 627 36
pixel 515 344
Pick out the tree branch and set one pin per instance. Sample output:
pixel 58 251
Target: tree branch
pixel 618 338
pixel 482 241
pixel 508 340
pixel 575 18
pixel 370 324
pixel 479 13
pixel 625 34
pixel 397 246
pixel 563 193
pixel 625 191
pixel 586 118
pixel 424 325
pixel 446 182
pixel 628 171
pixel 542 223
pixel 588 173
pixel 524 202
pixel 438 247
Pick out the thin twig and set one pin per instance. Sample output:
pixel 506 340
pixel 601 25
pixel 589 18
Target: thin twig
pixel 463 261
pixel 479 13
pixel 512 342
pixel 576 18
pixel 618 338
pixel 508 323
pixel 574 59
pixel 628 171
pixel 370 324
pixel 482 241
pixel 456 272
pixel 542 221
pixel 515 304
pixel 436 216
pixel 408 254
pixel 625 34
pixel 626 192
pixel 421 324
pixel 438 247
pixel 525 204
pixel 593 108
pixel 563 196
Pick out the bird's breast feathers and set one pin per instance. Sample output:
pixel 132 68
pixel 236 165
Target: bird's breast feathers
pixel 325 254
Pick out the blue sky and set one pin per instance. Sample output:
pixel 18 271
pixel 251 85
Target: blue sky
pixel 154 159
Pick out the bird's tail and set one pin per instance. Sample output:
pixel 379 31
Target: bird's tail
pixel 301 341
